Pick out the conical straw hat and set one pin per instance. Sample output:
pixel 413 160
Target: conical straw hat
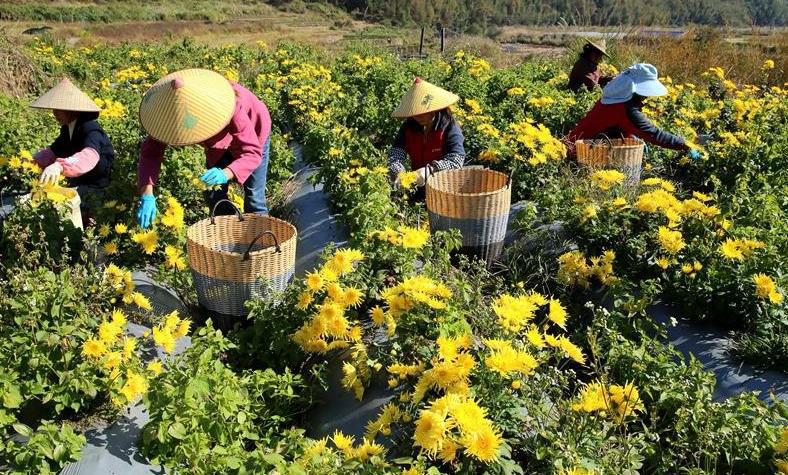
pixel 600 44
pixel 187 107
pixel 66 96
pixel 424 97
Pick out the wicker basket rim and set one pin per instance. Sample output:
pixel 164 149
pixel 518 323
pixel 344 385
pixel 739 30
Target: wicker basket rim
pixel 591 144
pixel 268 250
pixel 482 193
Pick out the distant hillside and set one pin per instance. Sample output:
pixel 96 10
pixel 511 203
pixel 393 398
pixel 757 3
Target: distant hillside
pixel 478 16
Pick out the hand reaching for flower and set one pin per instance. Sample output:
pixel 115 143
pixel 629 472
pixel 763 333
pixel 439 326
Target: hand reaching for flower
pixel 147 211
pixel 216 176
pixel 406 180
pixel 51 174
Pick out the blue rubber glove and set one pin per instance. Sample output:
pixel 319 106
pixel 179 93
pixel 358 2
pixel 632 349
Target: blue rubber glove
pixel 214 176
pixel 147 211
pixel 694 154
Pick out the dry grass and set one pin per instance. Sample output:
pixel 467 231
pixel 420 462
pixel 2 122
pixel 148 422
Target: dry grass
pixel 18 75
pixel 740 52
pixel 687 57
pixel 273 29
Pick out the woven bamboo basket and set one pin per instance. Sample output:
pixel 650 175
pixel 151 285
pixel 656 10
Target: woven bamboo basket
pixel 474 200
pixel 625 155
pixel 236 258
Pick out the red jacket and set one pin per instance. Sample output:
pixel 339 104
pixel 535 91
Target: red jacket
pixel 622 120
pixel 424 148
pixel 441 146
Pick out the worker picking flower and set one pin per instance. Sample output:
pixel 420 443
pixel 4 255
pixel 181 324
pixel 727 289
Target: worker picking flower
pixel 82 153
pixel 619 113
pixel 585 71
pixel 197 106
pixel 430 137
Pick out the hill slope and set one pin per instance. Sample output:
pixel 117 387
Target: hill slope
pixel 480 15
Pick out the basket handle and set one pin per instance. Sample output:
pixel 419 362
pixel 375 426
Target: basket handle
pixel 237 211
pixel 609 142
pixel 254 241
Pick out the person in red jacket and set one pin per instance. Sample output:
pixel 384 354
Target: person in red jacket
pixel 430 137
pixel 586 71
pixel 619 113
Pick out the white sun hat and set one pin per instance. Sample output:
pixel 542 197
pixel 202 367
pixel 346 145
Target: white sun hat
pixel 638 79
pixel 66 96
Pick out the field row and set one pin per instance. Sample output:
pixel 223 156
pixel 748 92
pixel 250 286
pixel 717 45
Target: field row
pixel 545 363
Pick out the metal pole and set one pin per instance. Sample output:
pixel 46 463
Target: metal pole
pixel 443 38
pixel 421 41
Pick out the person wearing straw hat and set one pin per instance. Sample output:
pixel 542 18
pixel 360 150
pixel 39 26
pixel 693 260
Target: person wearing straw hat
pixel 619 113
pixel 82 153
pixel 586 71
pixel 198 106
pixel 429 137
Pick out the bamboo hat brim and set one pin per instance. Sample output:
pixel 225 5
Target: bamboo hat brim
pixel 601 45
pixel 423 97
pixel 187 107
pixel 66 96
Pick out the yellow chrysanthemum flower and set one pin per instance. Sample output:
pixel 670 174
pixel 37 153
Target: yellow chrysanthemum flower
pixel 483 444
pixel 304 299
pixel 174 258
pixel 413 238
pixel 148 240
pixel 94 348
pixel 606 179
pixel 155 367
pixel 557 313
pixel 128 348
pixel 110 248
pixel 352 297
pixel 314 281
pixel 378 315
pixel 135 386
pixel 431 431
pixel 572 350
pixel 408 179
pixel 671 241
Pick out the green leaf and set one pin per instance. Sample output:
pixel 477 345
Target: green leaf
pixel 12 398
pixel 197 388
pixel 233 463
pixel 23 430
pixel 274 459
pixel 60 452
pixel 177 431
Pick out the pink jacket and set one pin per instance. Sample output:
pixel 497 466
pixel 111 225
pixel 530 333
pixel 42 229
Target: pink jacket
pixel 73 166
pixel 244 137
